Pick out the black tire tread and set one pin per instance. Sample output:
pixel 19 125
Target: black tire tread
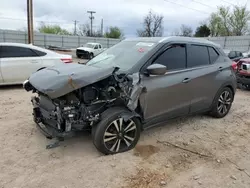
pixel 214 113
pixel 99 128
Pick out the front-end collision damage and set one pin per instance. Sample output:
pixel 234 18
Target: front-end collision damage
pixel 74 100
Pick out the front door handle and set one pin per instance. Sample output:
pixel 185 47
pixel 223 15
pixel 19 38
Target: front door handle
pixel 186 80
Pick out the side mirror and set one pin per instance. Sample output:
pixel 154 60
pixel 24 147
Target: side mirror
pixel 156 69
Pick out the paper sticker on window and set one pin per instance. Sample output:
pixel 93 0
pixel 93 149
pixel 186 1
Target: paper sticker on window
pixel 141 50
pixel 144 44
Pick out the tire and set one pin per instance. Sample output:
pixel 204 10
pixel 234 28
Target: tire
pixel 91 56
pixel 117 141
pixel 222 103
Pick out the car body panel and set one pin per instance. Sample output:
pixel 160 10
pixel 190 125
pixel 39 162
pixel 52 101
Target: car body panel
pixel 164 97
pixel 14 70
pixel 161 97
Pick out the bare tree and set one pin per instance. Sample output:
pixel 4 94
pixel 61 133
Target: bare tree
pixel 186 31
pixel 152 26
pixel 84 30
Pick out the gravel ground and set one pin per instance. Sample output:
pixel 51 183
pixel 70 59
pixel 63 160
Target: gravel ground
pixel 215 152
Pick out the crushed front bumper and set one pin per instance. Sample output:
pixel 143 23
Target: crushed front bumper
pixel 47 126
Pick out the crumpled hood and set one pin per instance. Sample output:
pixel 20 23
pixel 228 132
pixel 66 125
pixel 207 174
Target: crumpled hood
pixel 60 80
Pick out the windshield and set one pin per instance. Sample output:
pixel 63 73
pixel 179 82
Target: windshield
pixel 88 45
pixel 123 55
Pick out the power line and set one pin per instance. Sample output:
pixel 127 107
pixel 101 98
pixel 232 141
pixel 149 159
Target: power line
pixel 25 20
pixel 228 2
pixel 187 7
pixel 203 4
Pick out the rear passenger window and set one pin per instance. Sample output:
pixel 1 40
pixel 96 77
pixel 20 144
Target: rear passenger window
pixel 212 54
pixel 14 51
pixel 39 53
pixel 197 56
pixel 173 58
pixel 100 46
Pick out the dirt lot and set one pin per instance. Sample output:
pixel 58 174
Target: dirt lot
pixel 215 152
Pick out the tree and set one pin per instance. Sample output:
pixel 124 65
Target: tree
pixel 152 26
pixel 227 22
pixel 113 32
pixel 84 30
pixel 186 31
pixel 53 29
pixel 202 31
pixel 239 20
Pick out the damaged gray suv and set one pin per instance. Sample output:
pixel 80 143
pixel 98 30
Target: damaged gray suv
pixel 134 85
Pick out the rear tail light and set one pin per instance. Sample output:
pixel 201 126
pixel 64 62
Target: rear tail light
pixel 234 65
pixel 67 60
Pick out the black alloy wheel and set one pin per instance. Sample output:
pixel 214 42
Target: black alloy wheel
pixel 115 134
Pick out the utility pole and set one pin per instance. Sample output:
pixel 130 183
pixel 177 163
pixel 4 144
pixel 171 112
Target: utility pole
pixel 30 21
pixel 75 22
pixel 91 21
pixel 102 27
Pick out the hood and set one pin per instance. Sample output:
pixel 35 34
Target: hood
pixel 85 48
pixel 60 80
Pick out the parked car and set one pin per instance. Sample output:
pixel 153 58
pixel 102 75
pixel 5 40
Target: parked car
pixel 132 86
pixel 234 55
pixel 18 61
pixel 243 73
pixel 89 50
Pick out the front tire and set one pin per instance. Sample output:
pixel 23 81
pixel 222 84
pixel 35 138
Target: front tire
pixel 115 135
pixel 222 103
pixel 91 56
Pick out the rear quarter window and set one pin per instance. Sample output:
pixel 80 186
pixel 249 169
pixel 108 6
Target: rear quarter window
pixel 39 53
pixel 197 55
pixel 213 54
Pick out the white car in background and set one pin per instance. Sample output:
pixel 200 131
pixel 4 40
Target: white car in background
pixel 89 50
pixel 18 61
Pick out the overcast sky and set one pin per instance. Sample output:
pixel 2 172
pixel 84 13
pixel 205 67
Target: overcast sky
pixel 126 14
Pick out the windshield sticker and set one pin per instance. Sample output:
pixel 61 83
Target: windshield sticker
pixel 141 50
pixel 144 44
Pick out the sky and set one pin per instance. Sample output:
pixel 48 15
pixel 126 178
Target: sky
pixel 126 14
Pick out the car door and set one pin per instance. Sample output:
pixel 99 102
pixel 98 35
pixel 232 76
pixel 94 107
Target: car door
pixel 167 95
pixel 99 48
pixel 205 65
pixel 18 63
pixel 96 50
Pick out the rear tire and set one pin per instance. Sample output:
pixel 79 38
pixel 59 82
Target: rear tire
pixel 222 103
pixel 113 135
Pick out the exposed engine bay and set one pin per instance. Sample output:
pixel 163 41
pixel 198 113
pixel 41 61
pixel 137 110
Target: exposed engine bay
pixel 82 108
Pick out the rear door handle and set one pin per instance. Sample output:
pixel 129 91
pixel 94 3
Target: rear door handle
pixel 186 80
pixel 220 68
pixel 34 61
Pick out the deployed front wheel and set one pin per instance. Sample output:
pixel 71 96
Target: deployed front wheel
pixel 115 134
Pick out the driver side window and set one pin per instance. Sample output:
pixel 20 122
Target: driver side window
pixel 96 47
pixel 174 57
